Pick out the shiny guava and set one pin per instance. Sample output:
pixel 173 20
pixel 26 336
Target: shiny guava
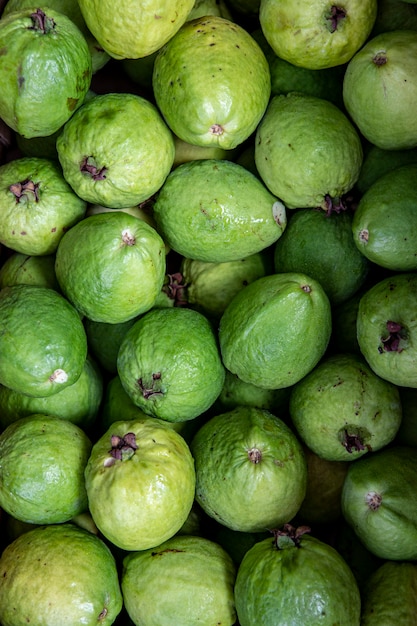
pixel 192 577
pixel 342 410
pixel 38 206
pixel 45 70
pixel 140 482
pixel 42 461
pixel 384 224
pixel 211 82
pixel 116 150
pixel 317 34
pixel 43 344
pixel 380 88
pixel 389 594
pixel 216 211
pixel 59 574
pixel 307 152
pixel 170 365
pixel 379 502
pixel 134 30
pixel 251 472
pixel 27 269
pixel 111 266
pixel 275 330
pixel 386 328
pixel 295 578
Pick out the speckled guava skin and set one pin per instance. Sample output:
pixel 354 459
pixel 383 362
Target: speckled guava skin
pixel 41 49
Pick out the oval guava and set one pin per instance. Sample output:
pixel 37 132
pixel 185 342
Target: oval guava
pixel 390 595
pixel 27 269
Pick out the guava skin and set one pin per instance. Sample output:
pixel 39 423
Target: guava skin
pixel 192 577
pixel 59 574
pixel 305 581
pixel 390 594
pixel 27 269
pixel 40 50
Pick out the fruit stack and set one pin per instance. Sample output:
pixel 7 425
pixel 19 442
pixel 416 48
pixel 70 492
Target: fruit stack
pixel 208 297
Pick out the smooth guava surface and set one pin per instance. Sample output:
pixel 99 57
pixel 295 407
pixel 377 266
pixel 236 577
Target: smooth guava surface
pixel 390 594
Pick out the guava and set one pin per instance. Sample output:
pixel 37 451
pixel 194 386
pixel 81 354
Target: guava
pixel 42 469
pixel 111 266
pixel 380 88
pixel 275 330
pixel 116 405
pixel 384 224
pixel 134 30
pixel 307 152
pixel 203 8
pixel 386 328
pixel 235 393
pixel 251 473
pixel 216 211
pixel 211 82
pixel 316 34
pixel 295 578
pixel 116 151
pixel 395 15
pixel 323 247
pixel 390 595
pixel 104 341
pixel 140 482
pixel 378 161
pixel 27 269
pixel 45 70
pixel 185 152
pixel 407 433
pixel 344 317
pixel 192 577
pixel 379 502
pixel 59 574
pixel 38 206
pixel 169 364
pixel 43 344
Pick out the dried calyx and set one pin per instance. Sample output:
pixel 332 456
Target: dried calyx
pixel 353 442
pixel 336 15
pixel 88 166
pixel 41 22
pixel 122 448
pixel 176 289
pixel 25 191
pixel 289 536
pixel 396 333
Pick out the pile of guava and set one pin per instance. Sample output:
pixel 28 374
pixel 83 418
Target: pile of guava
pixel 208 313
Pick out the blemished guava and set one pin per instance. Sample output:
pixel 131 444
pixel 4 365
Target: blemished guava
pixel 307 152
pixel 111 266
pixel 217 211
pixel 45 70
pixel 37 205
pixel 316 34
pixel 251 473
pixel 192 577
pixel 386 328
pixel 116 150
pixel 342 410
pixel 379 502
pixel 59 574
pixel 27 269
pixel 275 330
pixel 43 344
pixel 170 365
pixel 380 87
pixel 389 595
pixel 384 224
pixel 42 462
pixel 295 578
pixel 135 30
pixel 140 482
pixel 211 82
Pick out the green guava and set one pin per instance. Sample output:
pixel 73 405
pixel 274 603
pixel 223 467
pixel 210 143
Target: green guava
pixel 136 29
pixel 307 152
pixel 211 82
pixel 116 405
pixel 384 224
pixel 45 70
pixel 317 34
pixel 386 328
pixel 27 269
pixel 140 482
pixel 192 577
pixel 344 317
pixel 379 502
pixel 323 247
pixel 295 578
pixel 407 433
pixel 59 574
pixel 251 472
pixel 235 393
pixel 202 8
pixel 216 211
pixel 42 469
pixel 38 206
pixel 185 152
pixel 378 161
pixel 390 595
pixel 380 88
pixel 342 410
pixel 275 330
pixel 43 344
pixel 394 15
pixel 104 341
pixel 116 150
pixel 111 266
pixel 169 363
